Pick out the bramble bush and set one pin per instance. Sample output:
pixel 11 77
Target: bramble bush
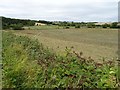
pixel 28 64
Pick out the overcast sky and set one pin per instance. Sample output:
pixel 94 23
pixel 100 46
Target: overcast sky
pixel 61 10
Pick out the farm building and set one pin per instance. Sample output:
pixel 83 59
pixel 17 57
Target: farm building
pixel 39 24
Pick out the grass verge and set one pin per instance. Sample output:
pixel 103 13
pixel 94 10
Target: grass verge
pixel 27 64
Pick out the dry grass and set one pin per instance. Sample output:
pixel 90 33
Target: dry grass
pixel 97 43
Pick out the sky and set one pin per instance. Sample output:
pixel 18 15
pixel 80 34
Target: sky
pixel 61 10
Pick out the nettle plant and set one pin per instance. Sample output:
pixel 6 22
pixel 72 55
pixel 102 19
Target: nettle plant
pixel 28 64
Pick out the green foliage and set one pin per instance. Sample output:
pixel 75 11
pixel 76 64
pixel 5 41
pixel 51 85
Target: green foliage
pixel 27 64
pixel 9 23
pixel 91 25
pixel 66 27
pixel 77 26
pixel 17 27
pixel 105 25
pixel 45 22
pixel 114 25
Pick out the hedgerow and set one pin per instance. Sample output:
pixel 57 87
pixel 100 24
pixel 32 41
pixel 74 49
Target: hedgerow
pixel 28 64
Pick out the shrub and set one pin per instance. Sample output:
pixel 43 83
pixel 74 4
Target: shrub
pixel 105 25
pixel 77 26
pixel 91 25
pixel 66 27
pixel 17 27
pixel 114 25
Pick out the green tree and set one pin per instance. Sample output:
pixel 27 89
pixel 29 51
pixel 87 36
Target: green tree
pixel 77 26
pixel 91 25
pixel 114 25
pixel 105 25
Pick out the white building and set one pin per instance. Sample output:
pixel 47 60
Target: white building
pixel 39 24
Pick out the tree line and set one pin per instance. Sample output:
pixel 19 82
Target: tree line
pixel 87 24
pixel 9 23
pixel 18 24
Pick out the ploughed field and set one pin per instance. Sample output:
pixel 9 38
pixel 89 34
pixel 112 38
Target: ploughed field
pixel 96 43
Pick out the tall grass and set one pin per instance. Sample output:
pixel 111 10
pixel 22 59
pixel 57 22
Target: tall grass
pixel 28 64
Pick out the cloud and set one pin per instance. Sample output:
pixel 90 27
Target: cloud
pixel 70 10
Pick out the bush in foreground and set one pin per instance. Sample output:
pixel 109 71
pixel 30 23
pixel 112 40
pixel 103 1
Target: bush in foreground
pixel 27 64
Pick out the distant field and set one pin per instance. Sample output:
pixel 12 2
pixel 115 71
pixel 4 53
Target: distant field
pixel 46 27
pixel 97 43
